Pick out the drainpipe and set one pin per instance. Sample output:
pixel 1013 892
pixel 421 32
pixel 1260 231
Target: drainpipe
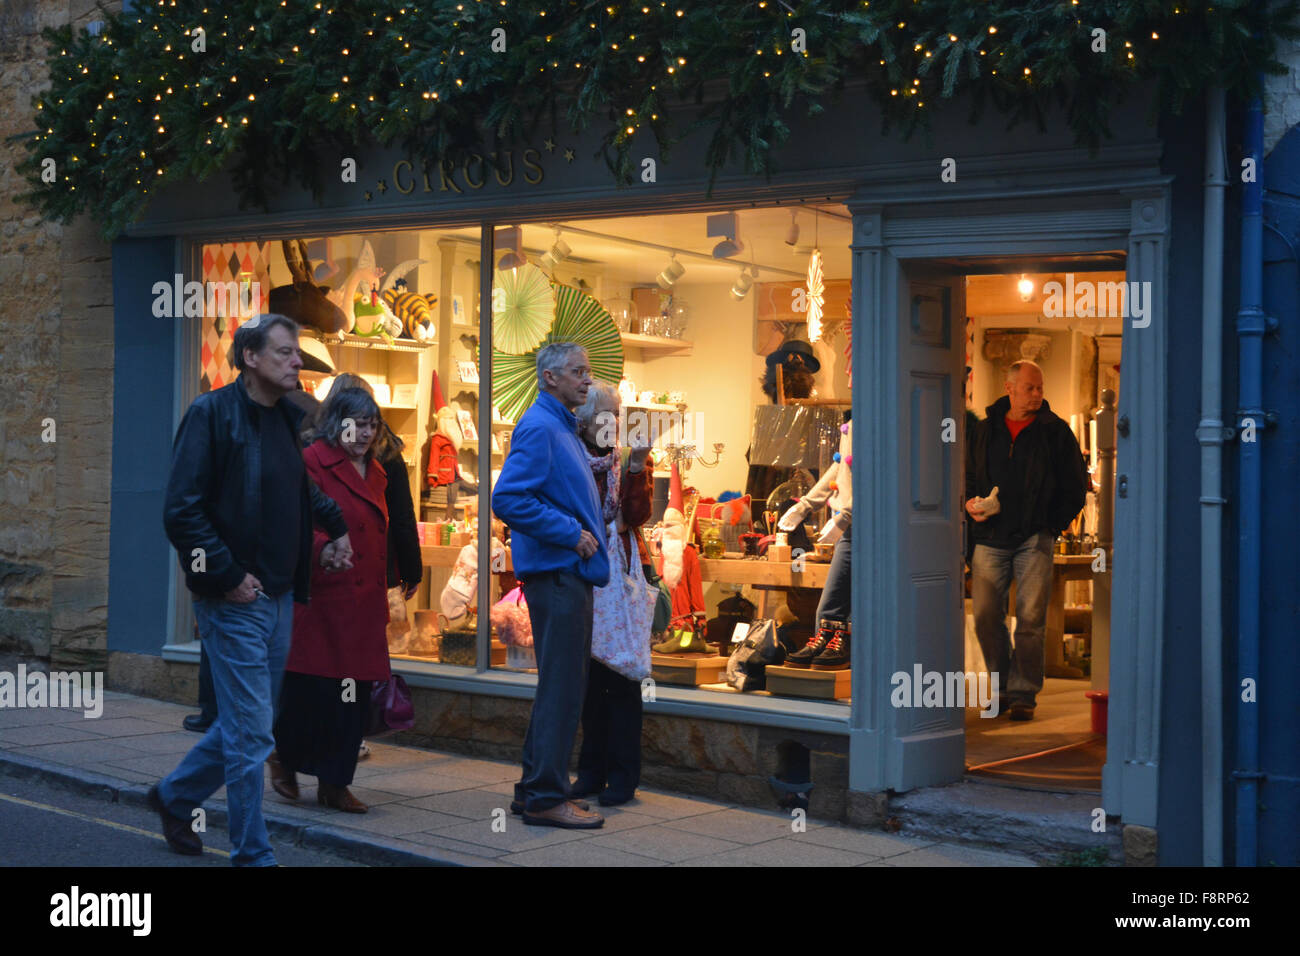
pixel 1252 323
pixel 1211 434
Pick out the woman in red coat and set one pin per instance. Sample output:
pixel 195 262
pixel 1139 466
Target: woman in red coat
pixel 339 640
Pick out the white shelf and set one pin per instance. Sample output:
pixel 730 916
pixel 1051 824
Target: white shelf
pixel 367 342
pixel 656 343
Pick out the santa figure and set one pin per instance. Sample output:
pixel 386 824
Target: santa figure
pixel 681 573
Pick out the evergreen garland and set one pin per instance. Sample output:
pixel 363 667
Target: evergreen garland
pixel 285 87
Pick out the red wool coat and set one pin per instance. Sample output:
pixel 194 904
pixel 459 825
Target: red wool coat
pixel 343 631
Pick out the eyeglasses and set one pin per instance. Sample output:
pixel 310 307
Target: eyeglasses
pixel 582 371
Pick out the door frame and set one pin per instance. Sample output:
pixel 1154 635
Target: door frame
pixel 885 237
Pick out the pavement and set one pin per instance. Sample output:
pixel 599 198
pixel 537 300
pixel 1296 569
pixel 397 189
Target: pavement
pixel 429 808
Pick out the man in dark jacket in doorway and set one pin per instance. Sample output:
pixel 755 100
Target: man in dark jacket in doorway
pixel 239 511
pixel 1030 456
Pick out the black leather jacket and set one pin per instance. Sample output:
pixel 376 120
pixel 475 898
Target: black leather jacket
pixel 214 494
pixel 1042 480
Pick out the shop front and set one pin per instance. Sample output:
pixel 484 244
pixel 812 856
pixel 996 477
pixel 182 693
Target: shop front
pixel 750 327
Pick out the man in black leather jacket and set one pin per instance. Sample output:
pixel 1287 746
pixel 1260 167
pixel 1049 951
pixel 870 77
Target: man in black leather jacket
pixel 1032 458
pixel 239 510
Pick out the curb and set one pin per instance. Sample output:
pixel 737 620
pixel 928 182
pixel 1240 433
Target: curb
pixel 376 850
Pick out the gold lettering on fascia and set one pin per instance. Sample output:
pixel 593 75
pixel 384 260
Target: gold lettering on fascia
pixel 472 171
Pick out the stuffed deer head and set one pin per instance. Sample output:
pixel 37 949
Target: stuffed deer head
pixel 304 301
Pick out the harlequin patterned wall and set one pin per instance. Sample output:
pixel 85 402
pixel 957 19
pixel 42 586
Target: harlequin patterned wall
pixel 229 262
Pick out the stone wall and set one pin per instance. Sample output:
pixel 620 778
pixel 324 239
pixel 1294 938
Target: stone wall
pixel 722 761
pixel 56 361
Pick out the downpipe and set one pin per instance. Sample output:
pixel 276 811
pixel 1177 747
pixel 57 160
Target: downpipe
pixel 1252 324
pixel 1211 434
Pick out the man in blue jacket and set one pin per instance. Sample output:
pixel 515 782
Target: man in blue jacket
pixel 547 496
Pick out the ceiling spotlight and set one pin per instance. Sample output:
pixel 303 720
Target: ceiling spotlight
pixel 792 233
pixel 556 254
pixel 672 272
pixel 511 239
pixel 1025 287
pixel 726 225
pixel 743 283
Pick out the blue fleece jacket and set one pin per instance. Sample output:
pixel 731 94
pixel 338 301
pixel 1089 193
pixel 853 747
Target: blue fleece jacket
pixel 547 496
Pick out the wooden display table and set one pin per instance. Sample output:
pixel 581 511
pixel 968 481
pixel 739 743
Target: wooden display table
pixel 802 682
pixel 1065 567
pixel 690 670
pixel 765 575
pixel 444 556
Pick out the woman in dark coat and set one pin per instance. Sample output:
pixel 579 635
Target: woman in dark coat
pixel 340 642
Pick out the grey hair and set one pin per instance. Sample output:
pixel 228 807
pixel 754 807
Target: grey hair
pixel 343 405
pixel 1013 370
pixel 554 357
pixel 587 410
pixel 252 334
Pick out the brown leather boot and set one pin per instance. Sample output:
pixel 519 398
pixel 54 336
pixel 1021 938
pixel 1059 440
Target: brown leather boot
pixel 284 782
pixel 339 798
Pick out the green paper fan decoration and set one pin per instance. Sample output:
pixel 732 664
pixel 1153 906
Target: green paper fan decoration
pixel 523 308
pixel 578 318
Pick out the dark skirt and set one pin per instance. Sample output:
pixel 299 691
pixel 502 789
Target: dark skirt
pixel 317 733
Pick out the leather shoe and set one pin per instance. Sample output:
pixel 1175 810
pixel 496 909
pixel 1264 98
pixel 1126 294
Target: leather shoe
pixel 1021 712
pixel 196 723
pixel 567 816
pixel 284 782
pixel 612 798
pixel 176 830
pixel 339 798
pixel 517 808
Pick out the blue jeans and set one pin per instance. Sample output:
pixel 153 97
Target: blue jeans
pixel 837 596
pixel 247 645
pixel 991 572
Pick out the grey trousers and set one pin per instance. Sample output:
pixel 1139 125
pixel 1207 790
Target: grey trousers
pixel 559 609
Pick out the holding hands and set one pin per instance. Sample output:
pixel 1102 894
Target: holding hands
pixel 337 554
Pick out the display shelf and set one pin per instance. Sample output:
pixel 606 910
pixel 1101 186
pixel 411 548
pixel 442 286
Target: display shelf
pixel 656 407
pixel 502 426
pixel 656 343
pixel 365 342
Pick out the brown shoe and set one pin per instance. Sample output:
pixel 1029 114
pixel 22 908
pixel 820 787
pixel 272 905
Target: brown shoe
pixel 339 798
pixel 176 830
pixel 284 782
pixel 566 816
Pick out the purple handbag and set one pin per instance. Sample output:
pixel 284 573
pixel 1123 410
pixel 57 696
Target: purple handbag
pixel 390 707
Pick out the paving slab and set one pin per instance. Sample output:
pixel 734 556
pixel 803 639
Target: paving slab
pixel 467 803
pixel 515 838
pixel 418 782
pixel 35 734
pixel 663 843
pixel 739 826
pixel 581 853
pixel 792 851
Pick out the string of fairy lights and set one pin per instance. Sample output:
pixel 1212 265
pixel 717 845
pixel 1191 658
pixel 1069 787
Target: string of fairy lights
pixel 192 81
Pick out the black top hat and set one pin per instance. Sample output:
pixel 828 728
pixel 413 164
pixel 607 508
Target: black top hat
pixel 795 347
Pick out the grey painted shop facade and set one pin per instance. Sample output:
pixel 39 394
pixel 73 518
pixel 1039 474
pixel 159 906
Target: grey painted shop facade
pixel 1017 193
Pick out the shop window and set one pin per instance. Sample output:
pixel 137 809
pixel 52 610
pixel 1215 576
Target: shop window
pixel 679 314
